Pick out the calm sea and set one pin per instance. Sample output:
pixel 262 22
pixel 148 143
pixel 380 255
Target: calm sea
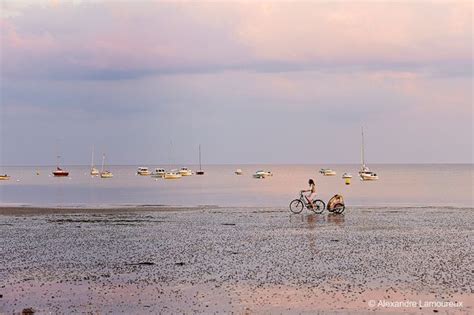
pixel 399 185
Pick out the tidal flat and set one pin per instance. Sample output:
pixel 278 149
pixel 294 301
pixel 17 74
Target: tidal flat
pixel 241 260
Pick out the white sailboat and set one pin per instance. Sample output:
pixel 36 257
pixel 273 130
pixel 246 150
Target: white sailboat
pixel 365 173
pixel 94 171
pixel 200 172
pixel 105 174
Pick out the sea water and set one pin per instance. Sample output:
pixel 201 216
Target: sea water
pixel 399 185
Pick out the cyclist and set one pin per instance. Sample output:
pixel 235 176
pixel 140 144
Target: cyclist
pixel 312 192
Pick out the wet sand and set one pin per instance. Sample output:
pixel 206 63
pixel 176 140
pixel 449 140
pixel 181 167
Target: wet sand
pixel 245 260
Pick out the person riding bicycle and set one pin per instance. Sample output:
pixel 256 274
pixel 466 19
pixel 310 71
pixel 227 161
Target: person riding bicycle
pixel 311 190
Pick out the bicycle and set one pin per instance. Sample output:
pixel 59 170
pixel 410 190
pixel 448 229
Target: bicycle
pixel 297 205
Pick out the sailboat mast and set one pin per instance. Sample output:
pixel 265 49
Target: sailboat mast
pixel 200 166
pixel 363 148
pixel 92 159
pixel 103 160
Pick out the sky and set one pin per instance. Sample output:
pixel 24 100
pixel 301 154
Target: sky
pixel 147 82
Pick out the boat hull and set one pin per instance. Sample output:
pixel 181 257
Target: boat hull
pixel 106 175
pixel 368 177
pixel 172 176
pixel 60 174
pixel 4 177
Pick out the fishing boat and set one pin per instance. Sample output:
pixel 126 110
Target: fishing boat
pixel 103 173
pixel 173 174
pixel 4 177
pixel 159 172
pixel 59 172
pixel 327 172
pixel 94 171
pixel 238 171
pixel 143 171
pixel 365 173
pixel 262 174
pixel 346 175
pixel 184 171
pixel 200 172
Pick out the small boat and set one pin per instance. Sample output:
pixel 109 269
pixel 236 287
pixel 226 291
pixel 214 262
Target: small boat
pixel 327 172
pixel 365 173
pixel 4 177
pixel 143 171
pixel 59 172
pixel 238 172
pixel 262 174
pixel 200 172
pixel 105 174
pixel 346 175
pixel 94 171
pixel 184 171
pixel 173 174
pixel 159 172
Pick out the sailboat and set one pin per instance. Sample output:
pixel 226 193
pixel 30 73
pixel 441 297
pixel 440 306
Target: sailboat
pixel 59 172
pixel 105 174
pixel 94 171
pixel 200 172
pixel 365 173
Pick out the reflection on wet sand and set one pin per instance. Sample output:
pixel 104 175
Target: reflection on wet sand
pixel 313 219
pixel 337 219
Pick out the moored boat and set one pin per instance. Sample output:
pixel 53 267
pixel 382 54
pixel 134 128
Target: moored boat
pixel 4 177
pixel 327 172
pixel 200 171
pixel 173 174
pixel 262 174
pixel 365 173
pixel 346 175
pixel 59 172
pixel 159 172
pixel 94 171
pixel 238 171
pixel 184 171
pixel 104 173
pixel 143 171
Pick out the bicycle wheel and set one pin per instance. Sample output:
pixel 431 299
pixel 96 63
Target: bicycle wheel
pixel 339 208
pixel 296 206
pixel 318 206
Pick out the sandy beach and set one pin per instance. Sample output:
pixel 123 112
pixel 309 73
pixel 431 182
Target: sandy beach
pixel 244 260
